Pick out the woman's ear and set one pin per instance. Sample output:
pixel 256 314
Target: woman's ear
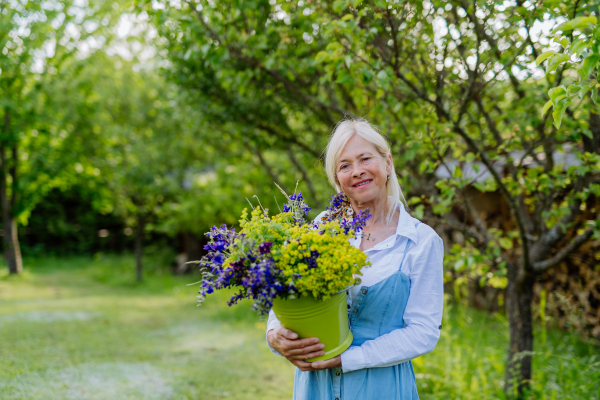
pixel 389 163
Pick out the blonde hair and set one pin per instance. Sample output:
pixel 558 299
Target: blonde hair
pixel 342 133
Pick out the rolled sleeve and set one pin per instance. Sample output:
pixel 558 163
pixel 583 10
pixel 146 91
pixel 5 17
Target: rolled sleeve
pixel 353 359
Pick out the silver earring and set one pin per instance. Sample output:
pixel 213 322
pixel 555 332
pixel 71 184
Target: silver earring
pixel 388 177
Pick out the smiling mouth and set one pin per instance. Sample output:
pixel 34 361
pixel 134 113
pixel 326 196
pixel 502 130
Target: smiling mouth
pixel 363 183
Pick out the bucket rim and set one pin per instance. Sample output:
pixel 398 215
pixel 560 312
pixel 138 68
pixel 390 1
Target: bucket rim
pixel 294 297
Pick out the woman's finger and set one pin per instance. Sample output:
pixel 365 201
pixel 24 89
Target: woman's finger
pixel 304 348
pixel 326 364
pixel 304 366
pixel 287 333
pixel 303 357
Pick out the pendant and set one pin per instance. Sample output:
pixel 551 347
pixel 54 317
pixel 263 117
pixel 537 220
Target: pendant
pixel 368 236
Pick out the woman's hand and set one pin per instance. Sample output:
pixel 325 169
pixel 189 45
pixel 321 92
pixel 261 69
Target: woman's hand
pixel 297 351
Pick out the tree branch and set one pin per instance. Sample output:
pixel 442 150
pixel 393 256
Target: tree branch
pixel 300 168
pixel 564 253
pixel 290 139
pixel 317 106
pixel 268 170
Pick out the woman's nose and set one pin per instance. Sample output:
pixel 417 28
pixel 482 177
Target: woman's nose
pixel 358 171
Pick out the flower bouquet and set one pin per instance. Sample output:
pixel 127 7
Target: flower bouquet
pixel 301 269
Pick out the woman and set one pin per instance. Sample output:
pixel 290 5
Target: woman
pixel 395 312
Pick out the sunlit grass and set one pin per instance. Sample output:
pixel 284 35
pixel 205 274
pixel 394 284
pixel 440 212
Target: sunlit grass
pixel 82 328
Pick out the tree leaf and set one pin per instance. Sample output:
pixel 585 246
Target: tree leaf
pixel 543 57
pixel 584 22
pixel 546 107
pixel 557 93
pixel 577 47
pixel 382 75
pixel 583 91
pixel 559 111
pixel 565 27
pixel 573 88
pixel 554 61
pixel 576 23
pixel 506 243
pixel 588 64
pixel 564 42
pixel 321 56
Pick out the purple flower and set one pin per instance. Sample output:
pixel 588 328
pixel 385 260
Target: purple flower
pixel 356 223
pixel 312 260
pixel 218 259
pixel 265 247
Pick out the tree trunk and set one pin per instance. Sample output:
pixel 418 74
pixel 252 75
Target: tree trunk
pixel 519 294
pixel 592 144
pixel 139 245
pixel 193 247
pixel 12 250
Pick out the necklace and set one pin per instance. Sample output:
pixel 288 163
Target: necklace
pixel 362 235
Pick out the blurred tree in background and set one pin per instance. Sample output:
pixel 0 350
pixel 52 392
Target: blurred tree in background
pixel 452 84
pixel 45 125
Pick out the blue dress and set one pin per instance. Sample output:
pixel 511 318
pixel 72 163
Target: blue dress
pixel 377 310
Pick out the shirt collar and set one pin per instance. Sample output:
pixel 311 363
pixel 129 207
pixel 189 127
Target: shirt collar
pixel 406 225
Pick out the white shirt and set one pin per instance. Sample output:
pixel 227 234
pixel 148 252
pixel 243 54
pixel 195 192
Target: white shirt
pixel 423 265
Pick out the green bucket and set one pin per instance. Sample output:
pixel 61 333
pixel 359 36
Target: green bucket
pixel 309 317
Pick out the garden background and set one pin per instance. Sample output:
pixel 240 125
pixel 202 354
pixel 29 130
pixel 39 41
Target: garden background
pixel 128 129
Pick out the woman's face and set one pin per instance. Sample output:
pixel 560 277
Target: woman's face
pixel 362 172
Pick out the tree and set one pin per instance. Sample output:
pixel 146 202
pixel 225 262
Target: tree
pixel 40 42
pixel 453 86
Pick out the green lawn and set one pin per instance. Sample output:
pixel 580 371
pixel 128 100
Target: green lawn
pixel 80 328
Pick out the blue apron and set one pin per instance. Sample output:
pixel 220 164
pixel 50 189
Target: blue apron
pixel 377 310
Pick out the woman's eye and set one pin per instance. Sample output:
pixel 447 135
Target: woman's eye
pixel 366 159
pixel 343 167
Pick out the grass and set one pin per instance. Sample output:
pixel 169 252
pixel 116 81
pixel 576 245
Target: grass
pixel 81 328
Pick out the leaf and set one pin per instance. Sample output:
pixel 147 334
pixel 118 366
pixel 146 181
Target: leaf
pixel 543 57
pixel 506 243
pixel 321 56
pixel 269 63
pixel 565 27
pixel 344 77
pixel 583 91
pixel 573 88
pixel 419 211
pixel 553 62
pixel 588 64
pixel 559 111
pixel 382 75
pixel 595 96
pixel 556 94
pixel 564 42
pixel 546 107
pixel 584 22
pixel 576 23
pixel 577 47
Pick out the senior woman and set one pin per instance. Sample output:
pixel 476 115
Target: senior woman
pixel 395 312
